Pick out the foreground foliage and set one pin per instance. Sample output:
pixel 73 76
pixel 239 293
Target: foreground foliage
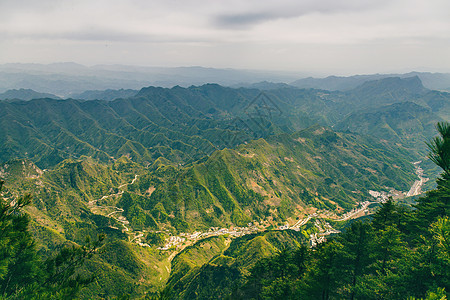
pixel 26 275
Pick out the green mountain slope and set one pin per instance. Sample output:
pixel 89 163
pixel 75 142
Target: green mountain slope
pixel 387 91
pixel 215 267
pixel 186 124
pixel 407 123
pixel 273 180
pixel 434 81
pixel 61 214
pixel 25 94
pixel 144 128
pixel 278 178
pixel 267 182
pixel 172 161
pixel 397 110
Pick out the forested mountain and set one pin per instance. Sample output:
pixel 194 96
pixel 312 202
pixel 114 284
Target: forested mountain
pixel 162 169
pixel 403 122
pixel 105 95
pixel 25 94
pixel 183 125
pixel 278 178
pixel 434 81
pixel 399 254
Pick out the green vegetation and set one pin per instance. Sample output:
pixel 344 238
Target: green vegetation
pixel 60 214
pixel 140 170
pixel 273 179
pixel 277 177
pixel 23 273
pixel 406 123
pixel 212 269
pixel 399 254
pixel 185 124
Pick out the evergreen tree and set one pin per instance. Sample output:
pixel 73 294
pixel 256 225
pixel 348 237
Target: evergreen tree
pixel 23 274
pixel 275 277
pixel 355 241
pixel 18 258
pixel 324 274
pixel 436 203
pixel 440 149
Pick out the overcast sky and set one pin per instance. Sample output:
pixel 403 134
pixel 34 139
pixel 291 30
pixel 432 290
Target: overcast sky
pixel 320 37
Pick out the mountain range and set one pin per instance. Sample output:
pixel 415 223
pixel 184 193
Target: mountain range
pixel 156 168
pixel 184 124
pixel 434 81
pixel 71 79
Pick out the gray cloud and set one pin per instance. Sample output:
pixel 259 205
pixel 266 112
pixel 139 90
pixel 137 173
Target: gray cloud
pixel 270 34
pixel 263 11
pixel 242 20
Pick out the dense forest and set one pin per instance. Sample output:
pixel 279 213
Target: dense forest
pixel 24 273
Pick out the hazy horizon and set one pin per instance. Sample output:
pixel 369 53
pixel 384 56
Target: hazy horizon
pixel 318 38
pixel 300 74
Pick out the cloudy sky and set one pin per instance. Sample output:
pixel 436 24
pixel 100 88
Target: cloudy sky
pixel 316 36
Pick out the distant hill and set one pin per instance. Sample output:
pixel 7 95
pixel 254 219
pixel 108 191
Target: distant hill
pixel 335 83
pixel 434 81
pixel 406 122
pixel 108 95
pixel 410 85
pixel 264 85
pixel 66 79
pixel 25 94
pixel 386 91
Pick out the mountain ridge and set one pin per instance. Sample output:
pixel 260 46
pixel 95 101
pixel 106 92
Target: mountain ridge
pixel 25 94
pixel 184 124
pixel 64 79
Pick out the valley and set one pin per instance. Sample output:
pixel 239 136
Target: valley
pixel 417 186
pixel 176 243
pixel 187 181
pixel 212 150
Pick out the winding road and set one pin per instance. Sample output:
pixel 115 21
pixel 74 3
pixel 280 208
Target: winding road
pixel 97 209
pixel 323 227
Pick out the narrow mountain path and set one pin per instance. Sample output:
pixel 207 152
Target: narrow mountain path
pixel 177 242
pixel 323 227
pixel 115 213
